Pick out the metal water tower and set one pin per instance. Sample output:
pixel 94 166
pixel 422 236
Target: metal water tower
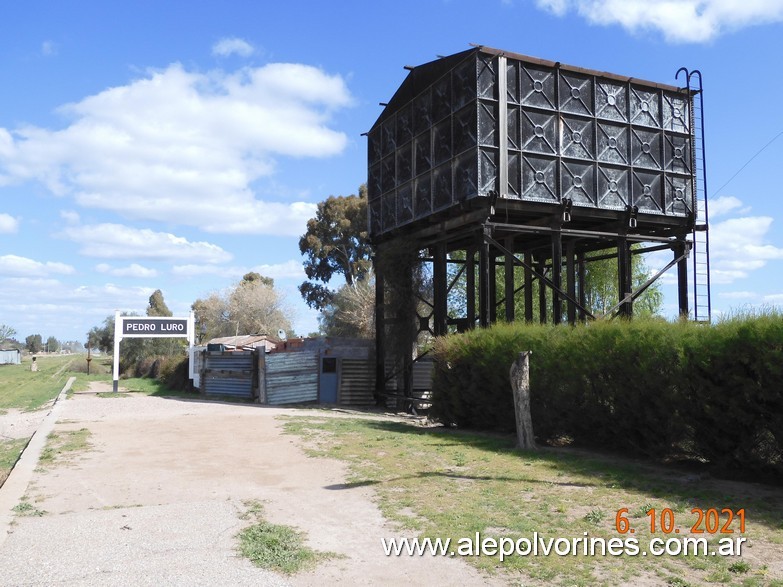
pixel 516 161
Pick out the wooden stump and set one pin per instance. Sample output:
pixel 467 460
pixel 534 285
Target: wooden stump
pixel 520 385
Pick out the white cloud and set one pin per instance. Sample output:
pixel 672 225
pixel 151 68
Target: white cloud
pixel 738 295
pixel 32 303
pixel 288 270
pixel 12 265
pixel 8 224
pixel 680 21
pixel 186 146
pixel 115 241
pixel 70 216
pixel 723 205
pixel 132 270
pixel 194 270
pixel 737 248
pixel 232 46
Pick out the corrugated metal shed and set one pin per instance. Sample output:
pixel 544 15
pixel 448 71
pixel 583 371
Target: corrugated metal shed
pixel 291 378
pixel 10 357
pixel 229 373
pixel 290 374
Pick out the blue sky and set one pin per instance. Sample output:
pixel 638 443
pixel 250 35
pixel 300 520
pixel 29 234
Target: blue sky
pixel 177 145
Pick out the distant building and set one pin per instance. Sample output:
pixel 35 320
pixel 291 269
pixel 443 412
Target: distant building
pixel 10 356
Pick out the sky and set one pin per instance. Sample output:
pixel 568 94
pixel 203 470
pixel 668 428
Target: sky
pixel 178 145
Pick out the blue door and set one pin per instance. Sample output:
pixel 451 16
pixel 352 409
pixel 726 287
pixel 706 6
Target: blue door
pixel 328 381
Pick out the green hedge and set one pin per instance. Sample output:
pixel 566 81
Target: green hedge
pixel 645 387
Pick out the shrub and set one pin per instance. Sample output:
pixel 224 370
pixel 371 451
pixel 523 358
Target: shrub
pixel 733 392
pixel 646 386
pixel 173 373
pixel 97 366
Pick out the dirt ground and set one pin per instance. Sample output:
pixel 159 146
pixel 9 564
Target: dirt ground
pixel 158 496
pixel 16 424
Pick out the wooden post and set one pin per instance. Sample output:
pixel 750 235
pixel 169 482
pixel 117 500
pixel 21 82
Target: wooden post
pixel 520 385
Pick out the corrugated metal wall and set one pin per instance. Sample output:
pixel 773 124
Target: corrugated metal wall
pixel 357 381
pixel 229 373
pixel 8 357
pixel 291 378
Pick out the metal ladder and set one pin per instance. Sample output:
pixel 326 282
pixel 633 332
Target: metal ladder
pixel 700 301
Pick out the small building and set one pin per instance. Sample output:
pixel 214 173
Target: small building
pixel 10 357
pixel 229 364
pixel 278 372
pixel 329 370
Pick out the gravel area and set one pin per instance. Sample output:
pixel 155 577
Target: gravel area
pixel 16 424
pixel 157 500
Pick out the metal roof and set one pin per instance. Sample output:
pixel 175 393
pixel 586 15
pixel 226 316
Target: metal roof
pixel 245 340
pixel 422 76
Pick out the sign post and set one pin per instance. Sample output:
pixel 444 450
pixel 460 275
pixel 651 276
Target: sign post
pixel 148 327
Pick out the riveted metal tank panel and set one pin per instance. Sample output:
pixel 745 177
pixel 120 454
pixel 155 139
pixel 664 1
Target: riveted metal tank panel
pixel 486 121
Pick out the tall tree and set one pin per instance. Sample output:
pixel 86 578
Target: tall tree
pixel 34 343
pixel 157 305
pixel 253 278
pixel 132 350
pixel 602 287
pixel 251 306
pixel 102 337
pixel 52 345
pixel 352 311
pixel 336 243
pixel 6 332
pixel 160 346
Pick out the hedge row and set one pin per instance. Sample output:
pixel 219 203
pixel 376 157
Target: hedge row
pixel 645 387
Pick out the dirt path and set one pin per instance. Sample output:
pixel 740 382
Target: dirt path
pixel 157 499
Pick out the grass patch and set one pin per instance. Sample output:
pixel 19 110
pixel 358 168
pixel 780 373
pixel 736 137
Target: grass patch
pixel 144 385
pixel 62 446
pixel 153 387
pixel 275 547
pixel 25 508
pixel 9 453
pixel 29 390
pixel 441 483
pixel 83 380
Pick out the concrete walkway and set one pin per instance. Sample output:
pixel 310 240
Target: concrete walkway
pixel 15 486
pixel 158 496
